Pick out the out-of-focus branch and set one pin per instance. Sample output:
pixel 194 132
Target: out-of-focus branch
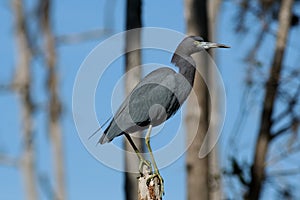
pixel 54 101
pixel 237 170
pixel 6 87
pixel 283 155
pixel 292 102
pixel 45 185
pixel 82 36
pixel 244 4
pixel 264 136
pixel 8 161
pixel 109 21
pixel 286 128
pixel 22 84
pixel 284 172
pixel 266 3
pixel 257 44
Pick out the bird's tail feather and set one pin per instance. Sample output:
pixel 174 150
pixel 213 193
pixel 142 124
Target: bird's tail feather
pixel 110 133
pixel 99 128
pixel 104 139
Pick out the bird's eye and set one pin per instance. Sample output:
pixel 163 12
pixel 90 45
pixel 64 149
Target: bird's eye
pixel 196 43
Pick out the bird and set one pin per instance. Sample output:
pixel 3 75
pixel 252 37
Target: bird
pixel 157 97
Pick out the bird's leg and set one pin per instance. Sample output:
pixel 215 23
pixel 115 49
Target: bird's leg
pixel 156 171
pixel 142 160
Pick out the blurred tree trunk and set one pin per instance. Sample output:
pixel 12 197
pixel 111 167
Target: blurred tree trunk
pixel 22 84
pixel 133 60
pixel 264 135
pixel 215 189
pixel 197 169
pixel 215 192
pixel 54 103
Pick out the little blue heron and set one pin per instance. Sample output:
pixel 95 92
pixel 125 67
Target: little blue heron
pixel 157 97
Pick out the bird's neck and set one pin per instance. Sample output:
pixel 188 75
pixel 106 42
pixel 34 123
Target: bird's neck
pixel 186 66
pixel 188 73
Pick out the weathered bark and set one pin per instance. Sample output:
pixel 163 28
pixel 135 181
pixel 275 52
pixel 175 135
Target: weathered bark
pixel 150 191
pixel 54 110
pixel 197 169
pixel 264 135
pixel 133 76
pixel 22 84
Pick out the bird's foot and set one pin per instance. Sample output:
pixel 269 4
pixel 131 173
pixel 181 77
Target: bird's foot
pixel 146 163
pixel 161 182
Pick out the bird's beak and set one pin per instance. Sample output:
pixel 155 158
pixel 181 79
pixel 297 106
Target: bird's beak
pixel 208 45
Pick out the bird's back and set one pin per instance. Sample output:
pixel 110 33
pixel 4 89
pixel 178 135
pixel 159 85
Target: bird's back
pixel 151 101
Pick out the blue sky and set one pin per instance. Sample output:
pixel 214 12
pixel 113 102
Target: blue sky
pixel 86 177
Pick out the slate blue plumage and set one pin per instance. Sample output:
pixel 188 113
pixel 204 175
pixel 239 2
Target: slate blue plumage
pixel 160 94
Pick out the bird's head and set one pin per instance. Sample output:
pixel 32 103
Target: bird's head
pixel 193 44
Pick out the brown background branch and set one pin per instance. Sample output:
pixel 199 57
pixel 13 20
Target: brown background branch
pixel 264 135
pixel 22 84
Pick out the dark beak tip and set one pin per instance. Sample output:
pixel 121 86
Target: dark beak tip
pixel 223 46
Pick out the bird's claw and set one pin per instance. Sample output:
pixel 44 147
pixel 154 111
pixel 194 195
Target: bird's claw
pixel 147 163
pixel 161 182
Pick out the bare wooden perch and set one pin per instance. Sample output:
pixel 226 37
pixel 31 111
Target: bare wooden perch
pixel 151 190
